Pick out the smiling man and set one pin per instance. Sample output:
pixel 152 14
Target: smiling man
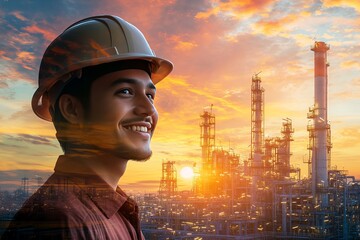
pixel 97 85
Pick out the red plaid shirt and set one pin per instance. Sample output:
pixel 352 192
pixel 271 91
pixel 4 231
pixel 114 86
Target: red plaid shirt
pixel 76 206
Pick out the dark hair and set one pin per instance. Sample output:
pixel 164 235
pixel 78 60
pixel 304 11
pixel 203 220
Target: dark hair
pixel 80 89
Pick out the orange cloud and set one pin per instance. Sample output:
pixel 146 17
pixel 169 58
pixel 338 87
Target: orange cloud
pixel 143 15
pixel 347 140
pixel 180 86
pixel 353 133
pixel 350 64
pixel 26 59
pixel 2 55
pixel 271 27
pixel 347 94
pixel 235 8
pixel 19 16
pixel 356 82
pixel 33 29
pixel 208 70
pixel 204 15
pixel 220 100
pixel 181 44
pixel 23 39
pixel 11 73
pixel 343 3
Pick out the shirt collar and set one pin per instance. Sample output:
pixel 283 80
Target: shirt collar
pixel 103 195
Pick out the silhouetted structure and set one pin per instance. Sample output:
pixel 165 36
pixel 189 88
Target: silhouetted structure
pixel 263 197
pixel 168 182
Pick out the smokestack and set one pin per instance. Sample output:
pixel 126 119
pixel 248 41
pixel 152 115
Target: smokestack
pixel 321 149
pixel 257 134
pixel 257 121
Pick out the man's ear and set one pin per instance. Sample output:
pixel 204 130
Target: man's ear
pixel 71 109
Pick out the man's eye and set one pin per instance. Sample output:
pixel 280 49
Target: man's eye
pixel 151 97
pixel 125 91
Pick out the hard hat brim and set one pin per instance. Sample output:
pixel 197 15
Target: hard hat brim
pixel 160 69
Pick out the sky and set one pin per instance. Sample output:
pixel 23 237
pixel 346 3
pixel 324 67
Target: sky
pixel 216 47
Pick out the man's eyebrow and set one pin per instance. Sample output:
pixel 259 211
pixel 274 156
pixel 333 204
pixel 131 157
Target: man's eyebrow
pixel 131 81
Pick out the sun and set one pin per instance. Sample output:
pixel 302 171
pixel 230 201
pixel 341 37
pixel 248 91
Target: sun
pixel 187 173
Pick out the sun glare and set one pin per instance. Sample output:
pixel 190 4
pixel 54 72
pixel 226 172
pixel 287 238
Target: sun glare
pixel 187 172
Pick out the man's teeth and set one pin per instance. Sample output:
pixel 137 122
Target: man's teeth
pixel 139 128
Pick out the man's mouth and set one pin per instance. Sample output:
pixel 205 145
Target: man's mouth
pixel 138 128
pixel 143 127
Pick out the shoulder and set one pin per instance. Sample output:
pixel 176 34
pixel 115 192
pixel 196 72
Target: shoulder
pixel 53 200
pixel 52 212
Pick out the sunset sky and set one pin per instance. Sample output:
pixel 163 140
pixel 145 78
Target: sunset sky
pixel 216 47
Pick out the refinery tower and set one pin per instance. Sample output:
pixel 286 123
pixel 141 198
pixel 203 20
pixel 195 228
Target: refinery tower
pixel 264 196
pixel 319 128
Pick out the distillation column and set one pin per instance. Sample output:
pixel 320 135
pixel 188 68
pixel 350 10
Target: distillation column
pixel 207 143
pixel 257 134
pixel 320 147
pixel 257 122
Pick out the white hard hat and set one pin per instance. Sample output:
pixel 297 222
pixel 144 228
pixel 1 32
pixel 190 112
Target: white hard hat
pixel 89 42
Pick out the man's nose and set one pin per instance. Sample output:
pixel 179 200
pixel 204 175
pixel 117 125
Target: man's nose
pixel 144 106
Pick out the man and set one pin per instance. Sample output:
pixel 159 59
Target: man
pixel 96 84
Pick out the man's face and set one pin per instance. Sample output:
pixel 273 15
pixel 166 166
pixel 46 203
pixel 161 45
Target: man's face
pixel 122 116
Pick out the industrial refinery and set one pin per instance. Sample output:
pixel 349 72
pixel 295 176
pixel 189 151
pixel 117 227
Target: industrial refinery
pixel 263 196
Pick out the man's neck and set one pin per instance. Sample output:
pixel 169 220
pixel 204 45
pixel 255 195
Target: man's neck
pixel 106 166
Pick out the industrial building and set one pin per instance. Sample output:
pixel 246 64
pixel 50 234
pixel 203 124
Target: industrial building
pixel 262 197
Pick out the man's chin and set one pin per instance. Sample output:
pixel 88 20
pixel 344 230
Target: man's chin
pixel 142 158
pixel 139 156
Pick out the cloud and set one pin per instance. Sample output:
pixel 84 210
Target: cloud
pixel 342 3
pixel 23 120
pixel 23 39
pixel 26 59
pixel 181 44
pixel 235 8
pixel 26 113
pixel 19 16
pixel 13 146
pixel 216 46
pixel 36 139
pixel 47 34
pixel 17 69
pixel 351 133
pixel 8 94
pixel 10 180
pixel 3 55
pixel 3 84
pixel 147 185
pixel 342 96
pixel 32 139
pixel 356 81
pixel 165 153
pixel 275 26
pixel 350 64
pixel 347 141
pixel 181 163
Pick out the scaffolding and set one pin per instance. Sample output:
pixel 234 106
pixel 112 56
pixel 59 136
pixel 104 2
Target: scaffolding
pixel 284 153
pixel 168 182
pixel 207 143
